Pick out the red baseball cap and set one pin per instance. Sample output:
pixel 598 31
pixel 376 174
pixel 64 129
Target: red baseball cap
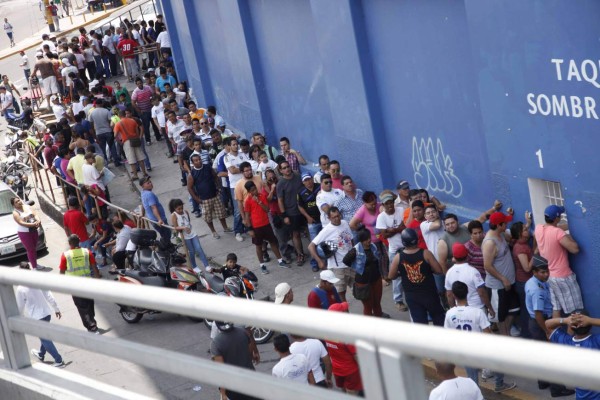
pixel 459 250
pixel 342 307
pixel 498 218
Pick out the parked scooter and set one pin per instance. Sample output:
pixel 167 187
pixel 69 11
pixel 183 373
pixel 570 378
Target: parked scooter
pixel 154 266
pixel 237 285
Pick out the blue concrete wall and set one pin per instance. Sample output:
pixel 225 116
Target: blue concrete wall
pixel 443 94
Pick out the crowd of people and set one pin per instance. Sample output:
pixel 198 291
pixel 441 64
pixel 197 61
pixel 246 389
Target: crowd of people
pixel 511 280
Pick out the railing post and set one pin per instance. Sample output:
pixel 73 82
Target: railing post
pixel 14 346
pixel 50 185
pixel 402 375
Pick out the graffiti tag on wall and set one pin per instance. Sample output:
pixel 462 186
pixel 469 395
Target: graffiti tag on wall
pixel 433 169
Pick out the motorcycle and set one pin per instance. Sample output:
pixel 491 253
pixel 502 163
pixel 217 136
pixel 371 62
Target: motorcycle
pixel 17 181
pixel 237 285
pixel 154 265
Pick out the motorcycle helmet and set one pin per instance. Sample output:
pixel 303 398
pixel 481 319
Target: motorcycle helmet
pixel 233 286
pixel 409 237
pixel 224 326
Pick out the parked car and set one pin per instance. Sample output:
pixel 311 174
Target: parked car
pixel 10 244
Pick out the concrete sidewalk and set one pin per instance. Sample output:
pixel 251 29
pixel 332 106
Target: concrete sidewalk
pixel 68 25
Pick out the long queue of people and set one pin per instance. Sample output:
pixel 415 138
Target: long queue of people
pixel 440 271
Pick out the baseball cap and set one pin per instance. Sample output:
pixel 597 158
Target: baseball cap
pixel 459 250
pixel 553 211
pixel 340 307
pixel 386 196
pixel 280 291
pixel 539 262
pixel 221 123
pixel 52 98
pixel 305 176
pixel 65 61
pixel 329 276
pixel 39 54
pixel 403 185
pixel 143 180
pixel 498 218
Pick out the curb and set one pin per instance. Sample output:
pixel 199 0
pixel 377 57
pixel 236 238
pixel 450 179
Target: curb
pixel 50 208
pixel 60 34
pixel 487 388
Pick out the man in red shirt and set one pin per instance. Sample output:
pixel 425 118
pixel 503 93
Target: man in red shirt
pixel 324 294
pixel 343 360
pixel 75 222
pixel 256 218
pixel 418 212
pixel 126 47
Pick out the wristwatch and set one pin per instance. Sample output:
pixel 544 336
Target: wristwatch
pixel 560 321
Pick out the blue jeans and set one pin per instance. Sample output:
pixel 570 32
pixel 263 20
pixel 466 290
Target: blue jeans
pixel 193 246
pixel 473 373
pixel 105 139
pixel 238 226
pixel 396 284
pixel 313 231
pixel 99 66
pixel 48 346
pixel 147 160
pixel 146 117
pixel 194 204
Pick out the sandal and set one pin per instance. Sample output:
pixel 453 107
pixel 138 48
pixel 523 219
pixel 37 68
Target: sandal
pixel 300 260
pixel 216 235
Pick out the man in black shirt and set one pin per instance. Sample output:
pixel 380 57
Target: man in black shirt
pixel 287 195
pixel 307 205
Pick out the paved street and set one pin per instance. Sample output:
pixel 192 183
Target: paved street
pixel 166 331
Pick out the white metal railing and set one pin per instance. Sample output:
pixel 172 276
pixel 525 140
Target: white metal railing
pixel 389 352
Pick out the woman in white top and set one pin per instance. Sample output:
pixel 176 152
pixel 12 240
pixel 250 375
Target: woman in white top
pixel 27 228
pixel 180 219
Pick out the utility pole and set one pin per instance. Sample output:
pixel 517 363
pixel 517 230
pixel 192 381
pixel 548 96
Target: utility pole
pixel 49 20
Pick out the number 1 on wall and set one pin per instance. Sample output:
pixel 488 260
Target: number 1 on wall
pixel 539 156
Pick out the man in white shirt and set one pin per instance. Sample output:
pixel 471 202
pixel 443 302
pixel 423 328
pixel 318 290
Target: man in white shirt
pixel 6 102
pixel 174 128
pixel 467 318
pixel 57 108
pixel 164 42
pixel 121 245
pixel 453 387
pixel 315 353
pixel 390 224
pixel 327 197
pixel 112 53
pixel 291 366
pixel 232 161
pixel 35 303
pixel 461 271
pixel 338 237
pixel 433 230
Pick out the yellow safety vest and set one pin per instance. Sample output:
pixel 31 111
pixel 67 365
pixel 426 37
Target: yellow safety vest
pixel 78 262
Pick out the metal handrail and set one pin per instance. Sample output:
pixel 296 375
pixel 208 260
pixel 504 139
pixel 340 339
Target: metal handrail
pixel 389 351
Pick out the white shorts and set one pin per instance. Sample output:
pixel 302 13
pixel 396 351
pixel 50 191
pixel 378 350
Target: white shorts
pixel 50 85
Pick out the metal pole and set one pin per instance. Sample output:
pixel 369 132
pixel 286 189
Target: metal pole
pixel 50 185
pixel 16 353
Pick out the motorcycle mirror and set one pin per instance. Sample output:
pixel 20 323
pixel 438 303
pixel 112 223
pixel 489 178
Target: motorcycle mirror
pixel 30 202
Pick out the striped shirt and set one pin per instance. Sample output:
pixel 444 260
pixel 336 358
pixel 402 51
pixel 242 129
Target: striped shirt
pixel 143 97
pixel 349 206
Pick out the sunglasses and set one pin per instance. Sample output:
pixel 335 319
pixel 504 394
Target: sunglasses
pixel 326 182
pixel 202 123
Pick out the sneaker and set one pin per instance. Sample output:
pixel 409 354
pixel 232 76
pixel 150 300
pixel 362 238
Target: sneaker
pixel 239 237
pixel 401 307
pixel 266 256
pixel 487 374
pixel 148 143
pixel 515 331
pixel 283 264
pixel 216 235
pixel 228 230
pixel 505 386
pixel 385 315
pixel 59 364
pixel 37 355
pixel 562 392
pixel 264 270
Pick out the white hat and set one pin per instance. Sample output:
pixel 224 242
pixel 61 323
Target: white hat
pixel 329 276
pixel 39 54
pixel 65 61
pixel 54 97
pixel 281 291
